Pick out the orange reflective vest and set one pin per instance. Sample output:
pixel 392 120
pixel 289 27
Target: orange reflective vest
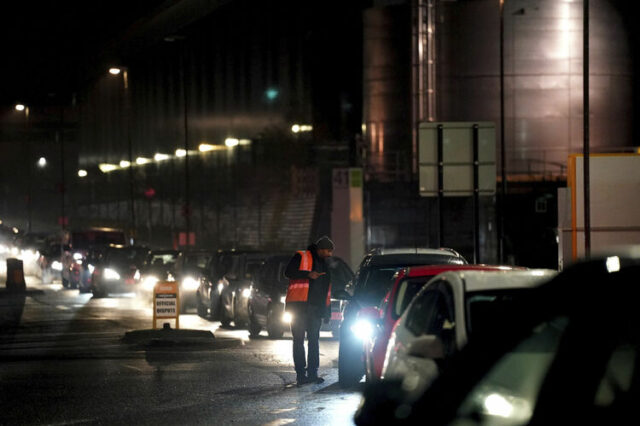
pixel 298 289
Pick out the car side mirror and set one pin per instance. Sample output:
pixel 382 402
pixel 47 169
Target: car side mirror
pixel 341 294
pixel 427 346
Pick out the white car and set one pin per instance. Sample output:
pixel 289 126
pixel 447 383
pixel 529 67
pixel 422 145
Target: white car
pixel 440 318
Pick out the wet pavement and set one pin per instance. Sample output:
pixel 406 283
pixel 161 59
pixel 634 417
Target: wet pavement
pixel 64 359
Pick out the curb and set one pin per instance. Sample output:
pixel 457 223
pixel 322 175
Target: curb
pixel 175 338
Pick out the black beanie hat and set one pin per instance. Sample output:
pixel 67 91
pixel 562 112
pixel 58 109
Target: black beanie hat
pixel 325 243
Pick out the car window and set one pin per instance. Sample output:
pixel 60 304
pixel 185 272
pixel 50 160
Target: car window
pixel 422 312
pixel 407 290
pixel 482 306
pixel 507 394
pixel 375 284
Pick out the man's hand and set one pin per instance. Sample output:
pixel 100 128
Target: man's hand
pixel 314 275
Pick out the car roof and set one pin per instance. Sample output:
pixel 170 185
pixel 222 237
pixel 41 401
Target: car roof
pixel 412 250
pixel 429 270
pixel 403 259
pixel 496 280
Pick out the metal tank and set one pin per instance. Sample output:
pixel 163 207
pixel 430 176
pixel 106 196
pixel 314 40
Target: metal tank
pixel 543 51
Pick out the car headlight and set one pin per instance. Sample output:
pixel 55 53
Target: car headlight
pixel 246 292
pixel 149 282
pixel 110 274
pixel 91 268
pixel 136 276
pixel 77 256
pixel 170 277
pixel 220 287
pixel 56 265
pixel 78 261
pixel 362 329
pixel 287 317
pixel 283 299
pixel 189 283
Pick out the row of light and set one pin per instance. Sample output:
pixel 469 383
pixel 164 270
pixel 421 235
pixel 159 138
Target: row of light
pixel 158 157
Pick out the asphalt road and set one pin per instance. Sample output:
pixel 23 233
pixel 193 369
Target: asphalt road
pixel 64 359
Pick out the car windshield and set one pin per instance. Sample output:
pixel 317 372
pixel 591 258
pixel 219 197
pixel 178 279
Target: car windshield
pixel 126 256
pixel 252 268
pixel 407 289
pixel 163 259
pixel 509 391
pixel 198 260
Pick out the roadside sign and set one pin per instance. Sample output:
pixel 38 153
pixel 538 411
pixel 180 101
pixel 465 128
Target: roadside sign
pixel 166 302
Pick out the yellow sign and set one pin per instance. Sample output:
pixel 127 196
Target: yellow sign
pixel 166 302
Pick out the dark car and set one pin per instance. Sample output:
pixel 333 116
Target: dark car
pixel 269 289
pixel 190 269
pixel 159 266
pixel 240 269
pixel 119 270
pixel 86 264
pixel 266 301
pixel 373 280
pixel 568 354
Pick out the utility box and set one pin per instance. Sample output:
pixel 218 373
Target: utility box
pixel 614 181
pixel 347 219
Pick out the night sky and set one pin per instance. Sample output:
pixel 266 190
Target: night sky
pixel 51 47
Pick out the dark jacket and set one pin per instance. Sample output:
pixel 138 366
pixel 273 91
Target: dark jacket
pixel 318 288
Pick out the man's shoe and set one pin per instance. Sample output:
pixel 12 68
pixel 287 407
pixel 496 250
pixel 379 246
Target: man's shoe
pixel 315 379
pixel 302 380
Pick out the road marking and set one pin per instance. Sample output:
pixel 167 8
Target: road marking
pixel 280 422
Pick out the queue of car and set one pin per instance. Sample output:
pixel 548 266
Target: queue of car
pixel 437 339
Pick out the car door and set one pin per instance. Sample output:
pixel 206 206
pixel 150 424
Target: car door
pixel 430 323
pixel 259 299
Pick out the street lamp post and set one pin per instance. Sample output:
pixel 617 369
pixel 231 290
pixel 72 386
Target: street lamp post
pixel 127 111
pixel 503 175
pixel 185 101
pixel 25 110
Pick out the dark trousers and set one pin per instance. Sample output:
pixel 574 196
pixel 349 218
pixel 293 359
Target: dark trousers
pixel 306 321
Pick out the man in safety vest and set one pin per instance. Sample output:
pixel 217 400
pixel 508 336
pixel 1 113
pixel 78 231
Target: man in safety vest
pixel 309 303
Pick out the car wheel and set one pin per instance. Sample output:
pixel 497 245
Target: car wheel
pixel 214 307
pixel 254 329
pixel 202 310
pixel 274 329
pixel 350 368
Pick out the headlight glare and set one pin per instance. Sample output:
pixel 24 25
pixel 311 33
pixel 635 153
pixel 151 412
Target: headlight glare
pixel 246 292
pixel 287 317
pixel 283 299
pixel 362 329
pixel 149 282
pixel 56 265
pixel 110 274
pixel 190 283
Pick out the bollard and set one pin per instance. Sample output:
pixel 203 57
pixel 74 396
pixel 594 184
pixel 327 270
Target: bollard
pixel 15 276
